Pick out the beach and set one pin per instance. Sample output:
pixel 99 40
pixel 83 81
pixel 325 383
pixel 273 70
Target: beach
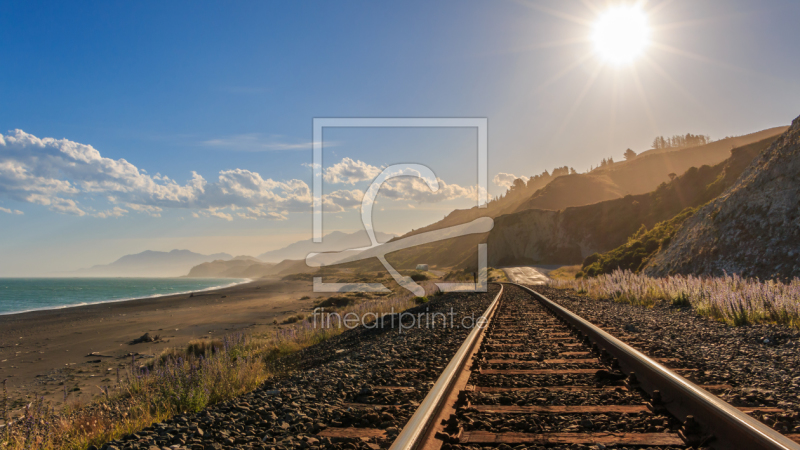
pixel 82 346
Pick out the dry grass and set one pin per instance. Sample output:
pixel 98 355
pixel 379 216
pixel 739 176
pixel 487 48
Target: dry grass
pixel 564 273
pixel 178 381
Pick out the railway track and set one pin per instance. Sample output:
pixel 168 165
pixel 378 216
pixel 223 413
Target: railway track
pixel 536 375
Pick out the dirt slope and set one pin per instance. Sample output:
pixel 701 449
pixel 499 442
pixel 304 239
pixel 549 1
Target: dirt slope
pixel 752 229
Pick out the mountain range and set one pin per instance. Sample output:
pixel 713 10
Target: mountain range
pixel 150 263
pixel 333 242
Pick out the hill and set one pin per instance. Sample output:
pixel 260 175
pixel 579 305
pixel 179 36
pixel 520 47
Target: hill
pixel 248 268
pixel 565 188
pixel 332 242
pixel 538 228
pixel 569 236
pixel 151 264
pixel 752 229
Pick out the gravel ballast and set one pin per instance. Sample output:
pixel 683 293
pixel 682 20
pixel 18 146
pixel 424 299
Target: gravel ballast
pixel 365 378
pixel 760 362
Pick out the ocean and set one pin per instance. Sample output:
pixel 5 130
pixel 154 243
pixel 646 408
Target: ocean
pixel 31 294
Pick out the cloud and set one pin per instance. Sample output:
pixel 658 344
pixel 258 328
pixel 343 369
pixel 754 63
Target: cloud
pixel 255 214
pixel 115 212
pixel 63 175
pixel 57 172
pixel 413 188
pixel 11 211
pixel 256 142
pixel 340 200
pixel 506 180
pixel 154 211
pixel 348 171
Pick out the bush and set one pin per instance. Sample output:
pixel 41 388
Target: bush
pixel 641 246
pixel 293 319
pixel 420 276
pixel 335 302
pixel 420 300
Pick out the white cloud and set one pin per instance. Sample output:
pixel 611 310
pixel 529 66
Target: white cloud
pixel 413 188
pixel 154 211
pixel 11 211
pixel 114 212
pixel 64 175
pixel 56 173
pixel 342 199
pixel 255 214
pixel 506 180
pixel 348 171
pixel 256 142
pixel 215 212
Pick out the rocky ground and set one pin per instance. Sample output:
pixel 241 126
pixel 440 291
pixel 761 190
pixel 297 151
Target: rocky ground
pixel 605 387
pixel 376 378
pixel 760 362
pixel 334 384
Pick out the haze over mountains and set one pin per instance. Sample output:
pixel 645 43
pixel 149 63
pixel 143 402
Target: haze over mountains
pixel 150 263
pixel 333 242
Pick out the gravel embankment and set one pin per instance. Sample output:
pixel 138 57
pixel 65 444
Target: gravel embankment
pixel 518 324
pixel 760 362
pixel 351 368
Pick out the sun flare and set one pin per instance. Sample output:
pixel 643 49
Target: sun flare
pixel 621 34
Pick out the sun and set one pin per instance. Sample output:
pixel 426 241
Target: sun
pixel 621 33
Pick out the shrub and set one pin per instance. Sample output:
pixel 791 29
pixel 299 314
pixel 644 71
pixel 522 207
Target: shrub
pixel 730 298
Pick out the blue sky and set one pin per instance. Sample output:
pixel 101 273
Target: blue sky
pixel 206 87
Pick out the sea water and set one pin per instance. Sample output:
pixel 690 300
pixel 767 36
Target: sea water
pixel 31 294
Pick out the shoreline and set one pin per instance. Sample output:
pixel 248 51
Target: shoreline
pixel 44 353
pixel 119 300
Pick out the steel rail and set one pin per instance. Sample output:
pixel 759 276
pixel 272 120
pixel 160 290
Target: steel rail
pixel 723 426
pixel 412 435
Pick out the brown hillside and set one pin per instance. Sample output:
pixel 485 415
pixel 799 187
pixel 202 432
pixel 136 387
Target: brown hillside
pixel 573 190
pixel 752 229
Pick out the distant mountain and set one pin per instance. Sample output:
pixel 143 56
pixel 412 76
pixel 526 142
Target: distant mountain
pixel 243 268
pixel 151 264
pixel 751 229
pixel 334 242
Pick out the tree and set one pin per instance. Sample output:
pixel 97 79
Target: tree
pixel 629 154
pixel 672 176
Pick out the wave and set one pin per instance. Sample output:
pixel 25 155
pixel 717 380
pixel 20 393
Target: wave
pixel 127 299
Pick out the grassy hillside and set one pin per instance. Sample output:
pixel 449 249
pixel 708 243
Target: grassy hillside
pixel 680 199
pixel 573 190
pixel 570 234
pixel 639 175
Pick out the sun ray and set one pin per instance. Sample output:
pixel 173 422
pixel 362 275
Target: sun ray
pixel 540 46
pixel 663 73
pixel 563 72
pixel 612 119
pixel 578 100
pixel 697 22
pixel 557 14
pixel 643 98
pixel 705 59
pixel 659 6
pixel 591 6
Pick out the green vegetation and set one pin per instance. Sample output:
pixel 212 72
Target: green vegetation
pixel 497 275
pixel 565 272
pixel 637 251
pixel 665 209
